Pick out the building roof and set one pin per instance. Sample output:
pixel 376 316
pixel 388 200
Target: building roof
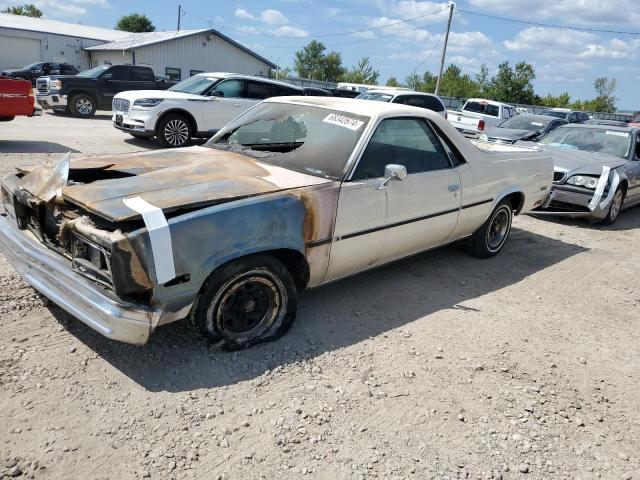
pixel 138 40
pixel 45 25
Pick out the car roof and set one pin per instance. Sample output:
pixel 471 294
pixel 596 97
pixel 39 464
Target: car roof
pixel 357 106
pixel 400 92
pixel 599 126
pixel 248 77
pixel 534 116
pixel 490 102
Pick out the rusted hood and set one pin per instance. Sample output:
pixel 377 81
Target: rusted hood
pixel 174 179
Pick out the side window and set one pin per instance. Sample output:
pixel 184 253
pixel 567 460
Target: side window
pixel 119 72
pixel 67 70
pixel 142 75
pixel 638 146
pixel 230 88
pixel 260 90
pixel 286 91
pixel 431 103
pixel 573 118
pixel 403 141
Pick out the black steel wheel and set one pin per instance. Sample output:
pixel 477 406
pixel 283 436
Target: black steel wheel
pixel 489 239
pixel 174 131
pixel 250 300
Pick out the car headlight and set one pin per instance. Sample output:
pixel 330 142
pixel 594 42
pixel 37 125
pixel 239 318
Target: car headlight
pixel 148 102
pixel 55 84
pixel 585 181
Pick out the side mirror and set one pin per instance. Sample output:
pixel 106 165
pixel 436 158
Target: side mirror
pixel 393 172
pixel 217 93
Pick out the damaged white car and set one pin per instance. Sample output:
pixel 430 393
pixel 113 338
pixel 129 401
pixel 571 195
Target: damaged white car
pixel 295 193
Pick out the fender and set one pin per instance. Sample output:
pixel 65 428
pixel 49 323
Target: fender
pixel 505 193
pixel 190 118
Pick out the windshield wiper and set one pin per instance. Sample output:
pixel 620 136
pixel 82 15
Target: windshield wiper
pixel 273 147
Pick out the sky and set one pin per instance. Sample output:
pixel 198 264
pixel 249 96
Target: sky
pixel 565 60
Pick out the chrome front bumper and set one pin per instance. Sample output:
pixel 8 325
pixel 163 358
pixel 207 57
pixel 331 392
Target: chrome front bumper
pixel 51 100
pixel 51 274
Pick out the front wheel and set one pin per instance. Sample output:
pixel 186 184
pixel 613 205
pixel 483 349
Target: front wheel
pixel 174 131
pixel 248 301
pixel 492 236
pixel 614 208
pixel 82 105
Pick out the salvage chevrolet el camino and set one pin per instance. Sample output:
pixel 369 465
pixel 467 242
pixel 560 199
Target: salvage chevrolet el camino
pixel 295 193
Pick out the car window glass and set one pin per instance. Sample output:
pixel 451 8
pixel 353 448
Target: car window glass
pixel 230 88
pixel 260 91
pixel 119 73
pixel 403 141
pixel 142 75
pixel 638 146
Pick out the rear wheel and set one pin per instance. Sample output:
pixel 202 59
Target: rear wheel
pixel 248 301
pixel 174 131
pixel 492 236
pixel 615 207
pixel 82 105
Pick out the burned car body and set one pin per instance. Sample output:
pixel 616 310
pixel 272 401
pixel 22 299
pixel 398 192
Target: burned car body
pixel 596 172
pixel 294 193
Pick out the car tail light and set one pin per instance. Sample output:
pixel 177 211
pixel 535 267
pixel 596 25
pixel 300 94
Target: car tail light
pixel 31 96
pixel 481 125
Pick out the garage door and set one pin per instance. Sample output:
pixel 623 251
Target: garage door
pixel 18 52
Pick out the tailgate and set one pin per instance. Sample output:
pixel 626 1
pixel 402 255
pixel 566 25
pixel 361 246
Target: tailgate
pixel 16 98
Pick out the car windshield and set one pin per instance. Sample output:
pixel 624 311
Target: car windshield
pixel 555 113
pixel 94 72
pixel 312 140
pixel 482 107
pixel 33 65
pixel 600 140
pixel 525 123
pixel 197 85
pixel 378 97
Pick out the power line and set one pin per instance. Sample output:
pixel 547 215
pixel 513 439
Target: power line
pixel 430 53
pixel 324 35
pixel 548 25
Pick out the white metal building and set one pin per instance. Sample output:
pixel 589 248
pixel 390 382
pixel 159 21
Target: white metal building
pixel 177 54
pixel 182 53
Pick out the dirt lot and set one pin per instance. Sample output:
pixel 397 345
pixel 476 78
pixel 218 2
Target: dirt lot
pixel 440 366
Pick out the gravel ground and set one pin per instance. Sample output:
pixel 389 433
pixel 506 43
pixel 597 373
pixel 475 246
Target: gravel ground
pixel 439 366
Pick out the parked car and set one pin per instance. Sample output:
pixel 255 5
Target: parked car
pixel 414 99
pixel 93 89
pixel 294 193
pixel 165 82
pixel 635 120
pixel 36 70
pixel 615 123
pixel 522 111
pixel 571 116
pixel 196 107
pixel 597 171
pixel 522 127
pixel 16 99
pixel 477 114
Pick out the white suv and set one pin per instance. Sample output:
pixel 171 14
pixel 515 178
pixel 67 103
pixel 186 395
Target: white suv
pixel 196 107
pixel 415 99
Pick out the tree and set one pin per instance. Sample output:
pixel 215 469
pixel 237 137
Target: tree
pixel 482 79
pixel 311 62
pixel 135 22
pixel 413 81
pixel 362 73
pixel 282 73
pixel 513 85
pixel 392 82
pixel 28 10
pixel 557 101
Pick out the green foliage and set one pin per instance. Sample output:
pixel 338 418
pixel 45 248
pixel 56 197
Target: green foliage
pixel 556 101
pixel 363 73
pixel 311 62
pixel 282 73
pixel 392 82
pixel 135 22
pixel 513 85
pixel 605 101
pixel 28 10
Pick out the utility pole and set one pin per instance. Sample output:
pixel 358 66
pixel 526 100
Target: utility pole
pixel 180 15
pixel 444 48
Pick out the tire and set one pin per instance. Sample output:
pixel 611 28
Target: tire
pixel 174 131
pixel 489 239
pixel 248 301
pixel 82 105
pixel 615 207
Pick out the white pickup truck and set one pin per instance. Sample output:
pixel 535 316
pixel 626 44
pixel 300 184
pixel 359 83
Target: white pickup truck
pixel 477 113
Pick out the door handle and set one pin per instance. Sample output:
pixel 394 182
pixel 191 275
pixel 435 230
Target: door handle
pixel 454 187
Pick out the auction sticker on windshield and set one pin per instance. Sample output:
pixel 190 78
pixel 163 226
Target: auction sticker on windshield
pixel 343 121
pixel 617 134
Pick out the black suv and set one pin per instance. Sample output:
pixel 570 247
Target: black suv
pixel 39 69
pixel 571 116
pixel 94 89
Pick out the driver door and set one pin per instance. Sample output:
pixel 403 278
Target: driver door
pixel 227 101
pixel 375 223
